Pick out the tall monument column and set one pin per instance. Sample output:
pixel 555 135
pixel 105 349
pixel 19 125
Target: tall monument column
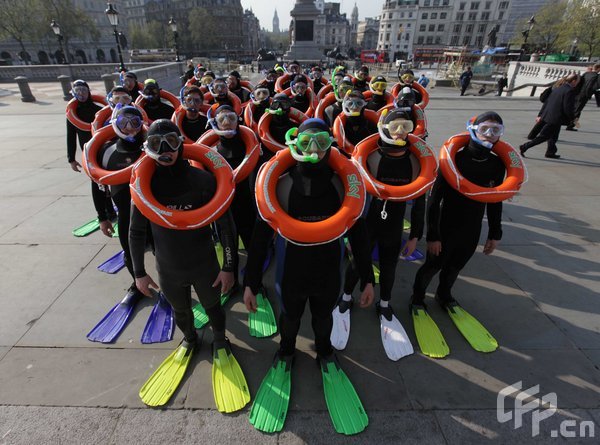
pixel 304 46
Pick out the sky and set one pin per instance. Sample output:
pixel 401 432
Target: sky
pixel 264 9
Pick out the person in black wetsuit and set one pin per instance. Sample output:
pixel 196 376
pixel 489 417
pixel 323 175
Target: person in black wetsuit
pixel 234 85
pixel 293 69
pixel 317 78
pixel 225 123
pixel 377 86
pixel 391 164
pixel 86 111
pixel 184 258
pixel 219 90
pixel 357 126
pixel 261 99
pixel 340 90
pixel 406 101
pixel 130 82
pixel 117 155
pixel 453 220
pixel 269 82
pixel 154 107
pixel 193 123
pixel 407 78
pixel 301 99
pixel 309 191
pixel 280 122
pixel 361 79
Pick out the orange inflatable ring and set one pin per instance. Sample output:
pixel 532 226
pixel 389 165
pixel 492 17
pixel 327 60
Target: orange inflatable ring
pixel 249 116
pixel 72 112
pixel 289 77
pixel 235 101
pixel 301 232
pixel 389 98
pixel 177 119
pixel 263 129
pixel 211 139
pixel 340 135
pixel 415 86
pixel 104 115
pixel 89 160
pixel 165 96
pixel 516 173
pixel 323 92
pixel 416 188
pixel 313 100
pixel 419 117
pixel 141 192
pixel 323 104
pixel 246 84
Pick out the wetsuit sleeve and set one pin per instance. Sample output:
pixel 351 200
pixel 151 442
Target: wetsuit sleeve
pixel 494 216
pixel 359 241
pixel 71 141
pixel 257 254
pixel 228 238
pixel 137 240
pixel 417 217
pixel 434 208
pixel 99 198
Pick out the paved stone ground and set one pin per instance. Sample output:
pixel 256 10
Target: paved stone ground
pixel 538 295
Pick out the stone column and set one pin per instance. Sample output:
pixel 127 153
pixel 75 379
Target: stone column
pixel 304 46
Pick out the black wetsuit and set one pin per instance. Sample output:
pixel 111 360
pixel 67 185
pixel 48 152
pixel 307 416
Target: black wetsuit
pixel 317 84
pixel 193 129
pixel 117 156
pixel 331 112
pixel 307 273
pixel 455 220
pixel 242 208
pixel 377 102
pixel 86 111
pixel 387 233
pixel 185 258
pixel 270 86
pixel 158 110
pixel 301 102
pixel 278 127
pixel 135 92
pixel 361 85
pixel 358 127
pixel 259 110
pixel 242 93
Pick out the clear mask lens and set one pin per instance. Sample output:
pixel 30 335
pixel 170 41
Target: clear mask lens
pixel 261 94
pixel 123 99
pixel 191 101
pixel 283 106
pixel 154 142
pixel 129 122
pixel 490 130
pixel 220 88
pixel 299 88
pixel 226 118
pixel 354 104
pixel 399 126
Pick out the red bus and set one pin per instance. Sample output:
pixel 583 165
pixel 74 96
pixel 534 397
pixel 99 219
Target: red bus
pixel 372 56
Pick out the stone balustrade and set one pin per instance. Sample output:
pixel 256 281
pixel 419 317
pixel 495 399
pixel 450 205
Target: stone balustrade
pixel 538 73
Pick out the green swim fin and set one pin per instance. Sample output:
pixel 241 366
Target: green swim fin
pixel 270 406
pixel 229 384
pixel 344 405
pixel 87 228
pixel 430 339
pixel 262 322
pixel 376 273
pixel 161 385
pixel 473 331
pixel 406 225
pixel 115 230
pixel 200 317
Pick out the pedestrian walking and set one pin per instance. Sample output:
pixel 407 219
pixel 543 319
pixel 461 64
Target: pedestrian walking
pixel 465 80
pixel 590 82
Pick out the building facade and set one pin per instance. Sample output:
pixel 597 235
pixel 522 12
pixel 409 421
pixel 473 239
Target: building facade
pixel 367 33
pixel 332 27
pixel 354 26
pixel 276 23
pixel 397 28
pixel 251 33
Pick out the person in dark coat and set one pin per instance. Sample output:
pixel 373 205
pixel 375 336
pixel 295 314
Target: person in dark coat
pixel 502 83
pixel 590 82
pixel 558 110
pixel 465 80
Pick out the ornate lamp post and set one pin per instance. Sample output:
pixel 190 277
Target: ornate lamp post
pixel 525 34
pixel 173 26
pixel 56 30
pixel 113 18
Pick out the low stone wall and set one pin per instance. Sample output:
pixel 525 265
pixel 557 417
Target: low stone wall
pixel 168 75
pixel 538 73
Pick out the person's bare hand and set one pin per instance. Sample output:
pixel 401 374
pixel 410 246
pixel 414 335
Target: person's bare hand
pixel 75 166
pixel 409 247
pixel 226 280
pixel 434 247
pixel 490 246
pixel 250 300
pixel 367 296
pixel 144 283
pixel 107 228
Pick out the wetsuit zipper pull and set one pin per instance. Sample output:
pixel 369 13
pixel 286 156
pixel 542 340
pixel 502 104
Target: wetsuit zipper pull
pixel 384 214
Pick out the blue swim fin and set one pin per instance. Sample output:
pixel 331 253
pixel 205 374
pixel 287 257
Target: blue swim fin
pixel 161 324
pixel 114 264
pixel 416 255
pixel 115 321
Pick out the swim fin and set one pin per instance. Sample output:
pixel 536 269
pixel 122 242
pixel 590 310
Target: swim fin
pixel 340 331
pixel 262 323
pixel 430 339
pixel 115 321
pixel 473 331
pixel 229 384
pixel 161 324
pixel 393 336
pixel 115 230
pixel 163 382
pixel 272 400
pixel 87 228
pixel 200 317
pixel 114 264
pixel 376 273
pixel 416 255
pixel 344 405
pixel 406 225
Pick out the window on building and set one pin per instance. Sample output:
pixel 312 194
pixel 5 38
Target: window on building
pixel 469 28
pixel 485 16
pixel 472 16
pixel 457 27
pixel 436 2
pixel 503 5
pixel 422 28
pixel 431 28
pixel 488 5
pixel 434 15
pixel 391 15
pixel 460 16
pixel 445 2
pixel 479 41
pixel 407 37
pixel 408 25
pixel 443 15
pixel 410 15
pixel 427 3
pixel 333 31
pixel 429 40
pixel 387 37
pixel 474 5
pixel 454 40
pixel 389 25
pixel 420 40
pixel 466 40
pixel 461 6
pixel 405 46
pixel 438 40
pixel 402 15
pixel 441 27
pixel 481 28
pixel 424 16
pixel 387 46
pixel 500 15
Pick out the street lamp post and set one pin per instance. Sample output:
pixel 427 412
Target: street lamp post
pixel 173 26
pixel 65 58
pixel 113 18
pixel 525 34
